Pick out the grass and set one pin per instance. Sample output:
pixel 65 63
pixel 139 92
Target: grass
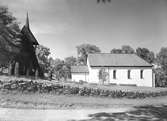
pixel 51 101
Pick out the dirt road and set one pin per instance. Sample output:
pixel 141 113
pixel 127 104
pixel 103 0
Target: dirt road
pixel 9 114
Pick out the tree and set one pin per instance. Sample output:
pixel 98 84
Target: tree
pixel 62 71
pixel 51 68
pixel 103 75
pixel 116 51
pixel 10 37
pixel 6 17
pixel 103 1
pixel 146 54
pixel 84 49
pixel 43 53
pixel 127 49
pixel 162 59
pixel 160 77
pixel 70 61
pixel 59 69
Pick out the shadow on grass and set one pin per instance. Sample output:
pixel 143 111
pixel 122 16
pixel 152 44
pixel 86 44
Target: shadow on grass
pixel 144 113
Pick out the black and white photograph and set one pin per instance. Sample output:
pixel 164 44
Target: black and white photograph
pixel 83 60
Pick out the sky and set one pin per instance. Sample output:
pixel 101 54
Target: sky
pixel 61 25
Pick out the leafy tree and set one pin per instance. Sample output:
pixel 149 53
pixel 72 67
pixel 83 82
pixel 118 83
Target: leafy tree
pixel 59 69
pixel 103 75
pixel 62 71
pixel 146 54
pixel 160 78
pixel 6 17
pixel 103 1
pixel 51 68
pixel 116 51
pixel 162 59
pixel 84 49
pixel 127 49
pixel 43 53
pixel 70 61
pixel 9 37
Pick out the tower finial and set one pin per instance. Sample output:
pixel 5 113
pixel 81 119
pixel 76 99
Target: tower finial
pixel 27 21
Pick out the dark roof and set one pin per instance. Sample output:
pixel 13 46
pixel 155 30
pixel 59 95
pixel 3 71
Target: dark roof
pixel 79 69
pixel 117 60
pixel 29 35
pixel 27 32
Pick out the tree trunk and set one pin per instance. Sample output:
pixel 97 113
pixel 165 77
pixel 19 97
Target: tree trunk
pixel 10 69
pixel 36 74
pixel 16 70
pixel 29 69
pixel 27 72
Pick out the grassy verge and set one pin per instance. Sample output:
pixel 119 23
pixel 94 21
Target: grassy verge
pixel 52 101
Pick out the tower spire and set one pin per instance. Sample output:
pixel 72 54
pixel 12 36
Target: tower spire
pixel 27 21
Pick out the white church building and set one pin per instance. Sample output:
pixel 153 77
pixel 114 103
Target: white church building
pixel 122 69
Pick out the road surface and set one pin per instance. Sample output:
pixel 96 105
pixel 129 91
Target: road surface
pixel 11 114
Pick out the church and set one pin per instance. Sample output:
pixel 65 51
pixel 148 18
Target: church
pixel 25 62
pixel 120 69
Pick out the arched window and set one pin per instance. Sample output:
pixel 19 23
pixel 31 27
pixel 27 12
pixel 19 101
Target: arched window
pixel 114 74
pixel 128 74
pixel 141 74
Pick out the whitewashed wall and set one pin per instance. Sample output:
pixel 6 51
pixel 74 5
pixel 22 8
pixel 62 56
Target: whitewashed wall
pixel 122 76
pixel 80 76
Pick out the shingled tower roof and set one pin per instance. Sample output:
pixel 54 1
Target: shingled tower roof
pixel 27 21
pixel 28 34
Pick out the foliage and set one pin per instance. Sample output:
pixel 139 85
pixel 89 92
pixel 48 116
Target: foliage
pixel 160 78
pixel 162 59
pixel 83 50
pixel 146 54
pixel 71 61
pixel 126 49
pixel 161 71
pixel 116 51
pixel 103 75
pixel 43 53
pixel 9 36
pixel 51 67
pixel 103 1
pixel 62 71
pixel 6 17
pixel 59 69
